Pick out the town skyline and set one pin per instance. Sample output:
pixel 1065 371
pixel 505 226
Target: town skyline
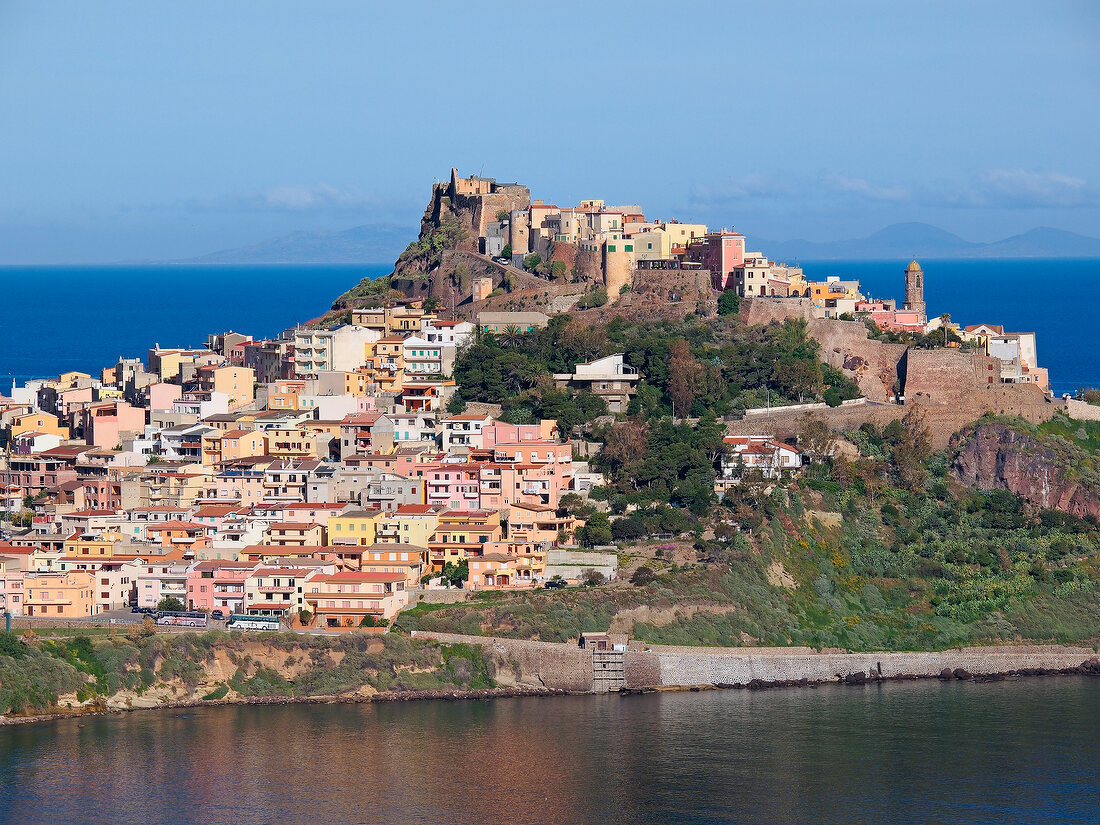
pixel 155 134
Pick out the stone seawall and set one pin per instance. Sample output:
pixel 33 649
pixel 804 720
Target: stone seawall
pixel 679 669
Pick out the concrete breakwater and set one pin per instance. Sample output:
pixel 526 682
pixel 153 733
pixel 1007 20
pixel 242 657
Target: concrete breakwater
pixel 568 667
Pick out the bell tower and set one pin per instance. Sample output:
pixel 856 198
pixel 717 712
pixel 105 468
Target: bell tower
pixel 914 290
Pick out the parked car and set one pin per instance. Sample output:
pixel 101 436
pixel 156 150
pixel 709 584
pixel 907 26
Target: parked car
pixel 135 609
pixel 217 615
pixel 555 583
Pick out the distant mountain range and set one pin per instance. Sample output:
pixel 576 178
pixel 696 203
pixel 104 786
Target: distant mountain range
pixel 369 243
pixel 922 240
pixel 378 243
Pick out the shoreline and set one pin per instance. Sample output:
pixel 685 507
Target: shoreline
pixel 1088 668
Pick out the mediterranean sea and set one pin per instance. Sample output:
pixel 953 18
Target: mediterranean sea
pixel 1018 751
pixel 58 318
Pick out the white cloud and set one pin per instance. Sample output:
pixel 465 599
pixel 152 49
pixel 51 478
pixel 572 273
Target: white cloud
pixel 752 186
pixel 860 188
pixel 298 198
pixel 1020 188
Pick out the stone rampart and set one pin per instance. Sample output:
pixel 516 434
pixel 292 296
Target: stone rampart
pixel 541 664
pixel 1082 410
pixel 873 365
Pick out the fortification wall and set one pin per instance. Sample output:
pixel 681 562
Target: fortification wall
pixel 873 365
pixel 1082 411
pixel 616 273
pixel 969 384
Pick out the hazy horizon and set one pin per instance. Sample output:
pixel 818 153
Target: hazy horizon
pixel 161 132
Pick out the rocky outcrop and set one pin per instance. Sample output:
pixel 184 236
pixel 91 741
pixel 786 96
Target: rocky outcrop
pixel 1045 471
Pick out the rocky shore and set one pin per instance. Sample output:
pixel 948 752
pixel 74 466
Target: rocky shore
pixel 483 694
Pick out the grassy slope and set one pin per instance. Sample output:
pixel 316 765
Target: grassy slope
pixel 929 568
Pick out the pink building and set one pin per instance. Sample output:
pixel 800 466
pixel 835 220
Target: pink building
pixel 454 486
pixel 162 396
pixel 720 252
pixel 218 585
pixel 886 317
pixel 104 425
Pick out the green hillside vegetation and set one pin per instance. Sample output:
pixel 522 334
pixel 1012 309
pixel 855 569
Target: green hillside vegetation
pixel 918 562
pixel 34 672
pixel 693 368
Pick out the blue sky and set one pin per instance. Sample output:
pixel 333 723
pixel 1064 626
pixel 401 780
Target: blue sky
pixel 160 130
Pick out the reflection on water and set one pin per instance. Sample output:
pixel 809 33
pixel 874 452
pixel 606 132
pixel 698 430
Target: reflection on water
pixel 1026 751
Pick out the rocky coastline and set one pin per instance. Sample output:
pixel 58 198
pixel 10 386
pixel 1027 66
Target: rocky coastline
pixel 856 678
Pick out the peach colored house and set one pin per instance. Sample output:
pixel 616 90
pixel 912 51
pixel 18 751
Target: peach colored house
pixel 537 523
pixel 69 595
pixel 11 584
pixel 350 600
pixel 294 534
pixel 40 422
pixel 500 571
pixel 187 536
pixel 236 382
pixel 461 533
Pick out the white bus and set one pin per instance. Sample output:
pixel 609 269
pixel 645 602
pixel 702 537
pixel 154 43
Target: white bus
pixel 184 618
pixel 238 621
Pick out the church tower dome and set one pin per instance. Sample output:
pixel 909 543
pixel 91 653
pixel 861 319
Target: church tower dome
pixel 914 290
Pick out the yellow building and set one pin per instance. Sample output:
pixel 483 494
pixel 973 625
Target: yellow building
pixel 90 549
pixel 354 527
pixel 290 442
pixel 69 595
pixel 409 524
pixel 236 382
pixel 385 363
pixel 229 445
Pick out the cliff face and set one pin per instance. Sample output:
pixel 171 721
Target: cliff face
pixel 1043 471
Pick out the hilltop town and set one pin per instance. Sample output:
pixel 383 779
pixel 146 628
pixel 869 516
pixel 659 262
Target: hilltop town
pixel 534 391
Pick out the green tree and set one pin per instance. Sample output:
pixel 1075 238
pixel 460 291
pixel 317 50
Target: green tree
pixel 729 303
pixel 170 603
pixel 506 252
pixel 456 574
pixel 597 531
pixel 531 262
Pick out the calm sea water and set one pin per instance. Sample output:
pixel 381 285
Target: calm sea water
pixel 56 318
pixel 60 318
pixel 1010 752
